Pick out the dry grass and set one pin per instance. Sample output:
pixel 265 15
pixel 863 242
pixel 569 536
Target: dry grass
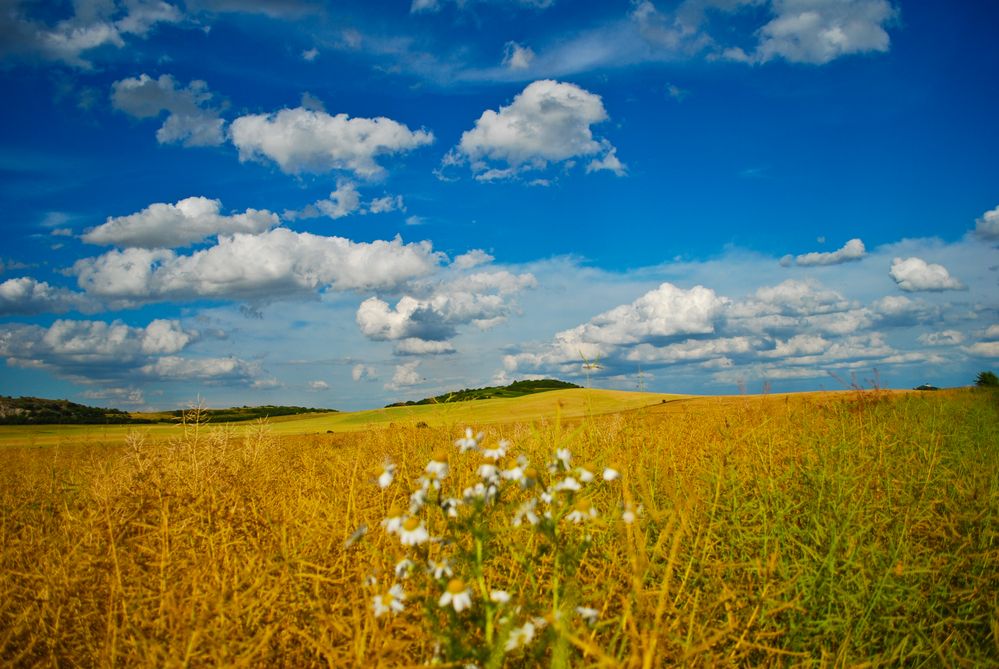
pixel 826 530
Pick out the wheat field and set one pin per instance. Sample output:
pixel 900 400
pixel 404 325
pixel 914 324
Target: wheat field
pixel 851 529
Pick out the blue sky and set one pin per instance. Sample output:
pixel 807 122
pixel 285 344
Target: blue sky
pixel 342 206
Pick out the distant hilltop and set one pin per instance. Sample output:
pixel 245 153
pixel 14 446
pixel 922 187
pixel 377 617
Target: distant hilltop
pixel 515 389
pixel 40 411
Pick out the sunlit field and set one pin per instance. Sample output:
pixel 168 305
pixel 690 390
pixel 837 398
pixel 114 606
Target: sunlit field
pixel 588 529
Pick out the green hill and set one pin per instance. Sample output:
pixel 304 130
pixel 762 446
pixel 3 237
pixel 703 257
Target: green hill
pixel 40 411
pixel 237 414
pixel 515 389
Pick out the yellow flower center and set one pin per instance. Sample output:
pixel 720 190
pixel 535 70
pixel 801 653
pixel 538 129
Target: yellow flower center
pixel 394 512
pixel 411 524
pixel 456 586
pixel 440 456
pixel 583 506
pixel 531 473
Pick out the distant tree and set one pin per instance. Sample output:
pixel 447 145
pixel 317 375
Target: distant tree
pixel 987 380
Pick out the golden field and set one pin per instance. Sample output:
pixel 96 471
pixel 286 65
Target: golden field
pixel 834 529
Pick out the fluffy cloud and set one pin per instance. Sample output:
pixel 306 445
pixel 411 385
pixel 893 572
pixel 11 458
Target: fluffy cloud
pixel 346 200
pixel 943 338
pixel 663 313
pixel 852 250
pixel 661 316
pixel 987 227
pixel 405 375
pixel 791 330
pixel 94 24
pixel 915 274
pixel 791 298
pixel 362 371
pixel 189 221
pixel 414 346
pixel 302 140
pixel 481 299
pixel 471 259
pixel 318 385
pixel 93 352
pixel 517 56
pixel 271 265
pixel 216 370
pixel 984 349
pixel 819 31
pixel 190 120
pixel 24 296
pixel 117 395
pixel 547 122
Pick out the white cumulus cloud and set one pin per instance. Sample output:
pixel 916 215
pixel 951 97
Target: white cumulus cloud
pixel 414 346
pixel 517 56
pixel 302 140
pixel 190 119
pixel 362 371
pixel 274 264
pixel 94 24
pixel 405 374
pixel 189 221
pixel 471 259
pixel 346 200
pixel 482 299
pixel 547 122
pixel 942 338
pixel 93 352
pixel 25 296
pixel 819 31
pixel 987 226
pixel 852 250
pixel 915 274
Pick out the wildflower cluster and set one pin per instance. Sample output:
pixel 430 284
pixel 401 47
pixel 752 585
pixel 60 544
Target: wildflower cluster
pixel 480 524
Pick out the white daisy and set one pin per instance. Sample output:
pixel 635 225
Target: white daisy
pixel 457 595
pixel 611 474
pixel 569 483
pixel 440 570
pixel 512 471
pixel 417 499
pixel 450 505
pixel 526 512
pixel 469 442
pixel 520 636
pixel 393 520
pixel 390 601
pixel 564 456
pixel 386 475
pixel 586 473
pixel 581 510
pixel 588 614
pixel 479 491
pixel 499 596
pixel 412 532
pixel 488 471
pixel 437 470
pixel 403 567
pixel 498 451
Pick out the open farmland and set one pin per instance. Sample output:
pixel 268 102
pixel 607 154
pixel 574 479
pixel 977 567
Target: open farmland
pixel 823 529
